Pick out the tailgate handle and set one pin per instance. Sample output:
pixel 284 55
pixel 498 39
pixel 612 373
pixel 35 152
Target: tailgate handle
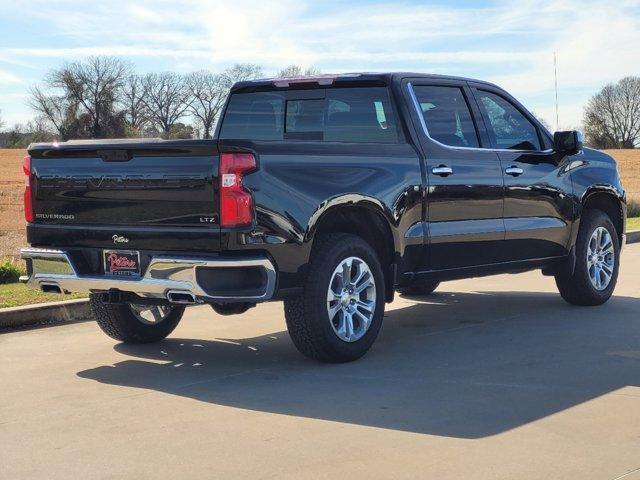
pixel 115 155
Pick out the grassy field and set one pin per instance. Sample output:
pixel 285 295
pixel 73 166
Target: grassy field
pixel 629 168
pixel 633 224
pixel 11 188
pixel 17 294
pixel 12 185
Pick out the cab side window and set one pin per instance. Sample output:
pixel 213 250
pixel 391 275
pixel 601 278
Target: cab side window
pixel 447 116
pixel 362 115
pixel 508 127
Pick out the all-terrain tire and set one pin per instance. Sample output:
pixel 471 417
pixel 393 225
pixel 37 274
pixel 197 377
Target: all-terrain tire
pixel 307 317
pixel 578 289
pixel 426 287
pixel 120 323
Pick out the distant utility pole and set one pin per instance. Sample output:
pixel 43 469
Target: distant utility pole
pixel 555 71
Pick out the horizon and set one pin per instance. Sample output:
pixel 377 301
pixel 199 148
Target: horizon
pixel 512 46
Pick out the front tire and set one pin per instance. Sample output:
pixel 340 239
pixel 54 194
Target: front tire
pixel 135 323
pixel 597 262
pixel 339 315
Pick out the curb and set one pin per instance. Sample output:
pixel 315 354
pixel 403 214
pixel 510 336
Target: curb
pixel 633 237
pixel 43 313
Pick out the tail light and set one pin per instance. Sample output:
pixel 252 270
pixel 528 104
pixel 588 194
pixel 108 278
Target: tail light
pixel 236 203
pixel 28 202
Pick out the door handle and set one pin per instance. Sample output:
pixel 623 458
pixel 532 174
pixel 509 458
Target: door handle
pixel 514 171
pixel 442 170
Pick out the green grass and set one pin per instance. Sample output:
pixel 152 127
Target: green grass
pixel 17 294
pixel 633 207
pixel 633 224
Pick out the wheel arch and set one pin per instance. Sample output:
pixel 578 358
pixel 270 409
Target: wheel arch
pixel 366 218
pixel 608 200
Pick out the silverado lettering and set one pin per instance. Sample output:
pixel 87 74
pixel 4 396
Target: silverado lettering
pixel 122 182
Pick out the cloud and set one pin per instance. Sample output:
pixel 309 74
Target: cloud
pixel 597 45
pixel 510 43
pixel 8 78
pixel 110 50
pixel 146 15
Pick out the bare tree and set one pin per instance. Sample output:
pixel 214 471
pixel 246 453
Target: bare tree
pixel 612 116
pixel 166 99
pixel 239 73
pixel 298 71
pixel 55 108
pixel 94 85
pixel 20 136
pixel 208 93
pixel 133 106
pixel 181 130
pixel 1 121
pixel 38 129
pixel 101 97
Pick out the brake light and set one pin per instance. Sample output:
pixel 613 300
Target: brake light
pixel 322 80
pixel 236 203
pixel 28 203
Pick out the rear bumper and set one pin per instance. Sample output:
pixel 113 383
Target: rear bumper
pixel 219 279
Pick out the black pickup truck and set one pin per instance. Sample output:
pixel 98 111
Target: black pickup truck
pixel 329 193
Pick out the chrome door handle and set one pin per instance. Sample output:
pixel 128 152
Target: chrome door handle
pixel 514 171
pixel 442 170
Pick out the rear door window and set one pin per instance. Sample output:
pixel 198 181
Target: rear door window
pixel 447 115
pixel 361 115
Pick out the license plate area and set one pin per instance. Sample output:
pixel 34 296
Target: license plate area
pixel 121 263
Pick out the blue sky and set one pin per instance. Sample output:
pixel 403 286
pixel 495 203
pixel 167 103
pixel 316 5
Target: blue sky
pixel 510 43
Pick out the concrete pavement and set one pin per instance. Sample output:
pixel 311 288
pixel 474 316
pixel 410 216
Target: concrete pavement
pixel 489 378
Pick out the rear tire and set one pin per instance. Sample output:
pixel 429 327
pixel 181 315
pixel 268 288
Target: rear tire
pixel 596 272
pixel 124 323
pixel 334 320
pixel 426 287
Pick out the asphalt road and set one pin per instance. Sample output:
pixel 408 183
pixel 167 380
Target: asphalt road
pixel 489 378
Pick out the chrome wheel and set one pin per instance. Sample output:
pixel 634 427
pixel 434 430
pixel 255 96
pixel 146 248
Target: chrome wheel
pixel 351 299
pixel 151 314
pixel 601 258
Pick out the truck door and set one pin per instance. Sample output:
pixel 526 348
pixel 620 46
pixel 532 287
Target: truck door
pixel 538 206
pixel 465 193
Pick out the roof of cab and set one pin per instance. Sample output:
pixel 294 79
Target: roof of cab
pixel 340 79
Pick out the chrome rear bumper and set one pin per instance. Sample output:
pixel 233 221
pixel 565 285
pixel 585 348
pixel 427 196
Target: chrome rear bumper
pixel 51 269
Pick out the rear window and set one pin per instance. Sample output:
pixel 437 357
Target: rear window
pixel 362 115
pixel 256 116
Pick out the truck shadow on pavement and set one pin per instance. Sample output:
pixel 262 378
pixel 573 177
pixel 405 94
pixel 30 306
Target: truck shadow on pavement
pixel 464 365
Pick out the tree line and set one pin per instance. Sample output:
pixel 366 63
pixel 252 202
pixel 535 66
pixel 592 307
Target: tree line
pixel 102 97
pixel 612 116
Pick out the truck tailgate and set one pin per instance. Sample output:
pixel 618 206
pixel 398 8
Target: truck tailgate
pixel 94 185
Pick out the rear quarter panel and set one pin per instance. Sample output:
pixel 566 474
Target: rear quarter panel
pixel 300 182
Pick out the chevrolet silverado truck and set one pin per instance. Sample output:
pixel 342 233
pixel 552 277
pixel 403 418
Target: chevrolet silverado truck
pixel 330 193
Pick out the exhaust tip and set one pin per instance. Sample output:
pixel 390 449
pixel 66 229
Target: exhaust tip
pixel 181 297
pixel 50 288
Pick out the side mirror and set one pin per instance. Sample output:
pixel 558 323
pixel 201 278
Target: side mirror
pixel 568 143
